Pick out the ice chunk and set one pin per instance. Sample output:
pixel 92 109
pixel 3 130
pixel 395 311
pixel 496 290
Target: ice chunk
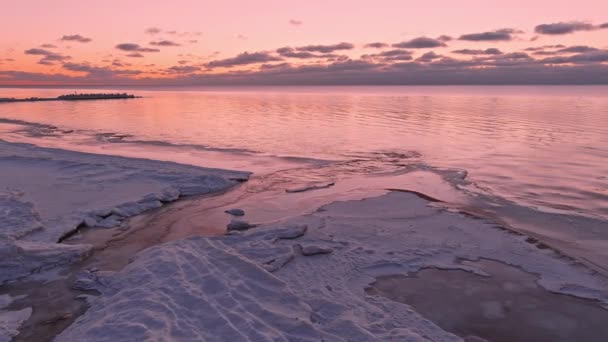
pixel 292 232
pixel 236 212
pixel 11 321
pixel 19 258
pixel 17 218
pixel 311 187
pixel 315 249
pixel 279 262
pixel 239 225
pixel 110 221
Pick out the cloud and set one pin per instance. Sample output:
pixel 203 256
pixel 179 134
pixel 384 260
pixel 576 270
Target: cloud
pixel 48 57
pixel 326 48
pixel 496 35
pixel 244 59
pixel 604 26
pixel 420 43
pixel 280 66
pixel 551 50
pixel 578 49
pixel 490 51
pixel 135 55
pixel 600 56
pixel 78 67
pixel 537 48
pixel 130 47
pixel 390 55
pixel 291 53
pixel 352 65
pixel 428 57
pixel 48 46
pixel 164 43
pixel 153 30
pixel 545 53
pixel 509 57
pixel 99 72
pixel 513 69
pixel 296 22
pixel 38 78
pixel 75 38
pixel 376 45
pixel 396 52
pixel 563 28
pixel 442 72
pixel 183 69
pixel 36 51
pixel 241 37
pixel 445 38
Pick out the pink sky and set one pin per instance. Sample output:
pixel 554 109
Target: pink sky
pixel 225 29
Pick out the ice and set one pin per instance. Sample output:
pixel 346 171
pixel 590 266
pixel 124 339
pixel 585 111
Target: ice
pixel 46 194
pixel 236 212
pixel 239 225
pixel 255 286
pixel 311 187
pixel 64 187
pixel 11 321
pixel 17 218
pixel 109 222
pixel 314 250
pixel 19 258
pixel 216 295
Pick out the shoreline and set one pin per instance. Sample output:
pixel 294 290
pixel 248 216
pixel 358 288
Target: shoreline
pixel 316 263
pixel 327 197
pixel 48 194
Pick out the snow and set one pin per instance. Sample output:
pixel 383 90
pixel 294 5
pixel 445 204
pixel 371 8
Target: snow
pixel 11 321
pixel 61 188
pixel 258 285
pixel 19 258
pixel 47 193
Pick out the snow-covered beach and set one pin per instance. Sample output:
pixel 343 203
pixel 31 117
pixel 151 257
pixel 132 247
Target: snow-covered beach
pixel 304 278
pixel 48 194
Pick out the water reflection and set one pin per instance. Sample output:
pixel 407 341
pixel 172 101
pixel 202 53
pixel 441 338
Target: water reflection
pixel 539 146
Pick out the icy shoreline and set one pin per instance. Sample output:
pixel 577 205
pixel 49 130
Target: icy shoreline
pixel 47 193
pixel 301 279
pixel 304 279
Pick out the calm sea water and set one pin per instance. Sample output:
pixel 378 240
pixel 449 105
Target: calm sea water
pixel 544 147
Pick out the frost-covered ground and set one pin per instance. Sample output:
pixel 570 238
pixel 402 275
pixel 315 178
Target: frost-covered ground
pixel 304 279
pixel 47 193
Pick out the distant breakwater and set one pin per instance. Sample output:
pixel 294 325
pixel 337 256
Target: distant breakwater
pixel 74 97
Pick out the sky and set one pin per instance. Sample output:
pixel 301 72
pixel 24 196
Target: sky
pixel 334 42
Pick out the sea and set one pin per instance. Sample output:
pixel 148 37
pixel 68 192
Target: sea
pixel 541 151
